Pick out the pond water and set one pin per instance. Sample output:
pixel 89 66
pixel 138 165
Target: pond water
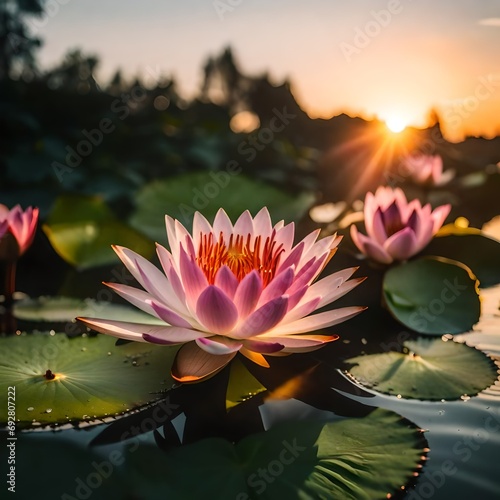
pixel 463 435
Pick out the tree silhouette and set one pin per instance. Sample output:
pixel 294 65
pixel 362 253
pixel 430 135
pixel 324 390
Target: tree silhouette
pixel 75 73
pixel 17 43
pixel 224 84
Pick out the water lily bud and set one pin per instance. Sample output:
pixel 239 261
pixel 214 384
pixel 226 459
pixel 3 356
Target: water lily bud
pixel 17 230
pixel 397 229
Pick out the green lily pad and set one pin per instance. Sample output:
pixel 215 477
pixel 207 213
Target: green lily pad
pixel 471 247
pixel 428 368
pixel 82 229
pixel 182 196
pixel 58 379
pixel 60 309
pixel 432 295
pixel 306 459
pixel 242 385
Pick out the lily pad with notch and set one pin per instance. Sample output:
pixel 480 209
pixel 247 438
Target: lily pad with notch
pixel 433 295
pixel 473 248
pixel 427 368
pixel 304 459
pixel 61 380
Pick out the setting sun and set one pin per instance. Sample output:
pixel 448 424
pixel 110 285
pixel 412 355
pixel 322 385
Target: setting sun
pixel 396 124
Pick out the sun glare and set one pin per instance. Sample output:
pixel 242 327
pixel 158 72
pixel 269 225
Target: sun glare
pixel 396 124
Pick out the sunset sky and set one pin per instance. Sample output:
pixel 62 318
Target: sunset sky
pixel 394 59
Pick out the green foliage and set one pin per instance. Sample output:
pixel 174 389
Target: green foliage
pixel 475 250
pixel 432 295
pixel 91 377
pixel 426 369
pixel 82 229
pixel 307 460
pixel 180 197
pixel 242 385
pixel 60 309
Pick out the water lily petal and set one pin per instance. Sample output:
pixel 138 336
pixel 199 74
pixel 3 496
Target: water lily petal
pixel 415 221
pixel 184 239
pixel 193 364
pixel 263 319
pixel 355 236
pixel 370 247
pixel 446 177
pixel 222 225
pixel 136 331
pixel 292 259
pixel 200 226
pixel 262 223
pixel 244 224
pixel 22 225
pixel 257 345
pixel 335 294
pixel 402 245
pixel 315 322
pixel 174 296
pixel 277 287
pixel 256 357
pixel 292 343
pixel 302 310
pixel 4 226
pixel 439 215
pixel 285 236
pixel 218 345
pixel 248 293
pixel 401 202
pixel 4 212
pixel 392 218
pixel 307 274
pixel 173 242
pixel 216 310
pixel 310 240
pixel 138 298
pixel 193 279
pixel 172 336
pixel 168 315
pixel 165 258
pixel 321 247
pixel 147 274
pixel 377 230
pixel 167 297
pixel 425 235
pixel 330 283
pixel 188 245
pixel 296 297
pixel 369 211
pixel 226 281
pixel 376 252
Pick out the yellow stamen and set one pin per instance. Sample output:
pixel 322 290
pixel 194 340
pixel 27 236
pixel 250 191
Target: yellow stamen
pixel 240 255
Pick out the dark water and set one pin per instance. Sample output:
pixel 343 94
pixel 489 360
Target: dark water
pixel 463 436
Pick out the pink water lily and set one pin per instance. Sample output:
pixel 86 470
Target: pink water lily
pixel 427 170
pixel 4 227
pixel 233 288
pixel 397 229
pixel 21 225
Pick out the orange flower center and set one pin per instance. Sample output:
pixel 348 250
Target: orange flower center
pixel 240 255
